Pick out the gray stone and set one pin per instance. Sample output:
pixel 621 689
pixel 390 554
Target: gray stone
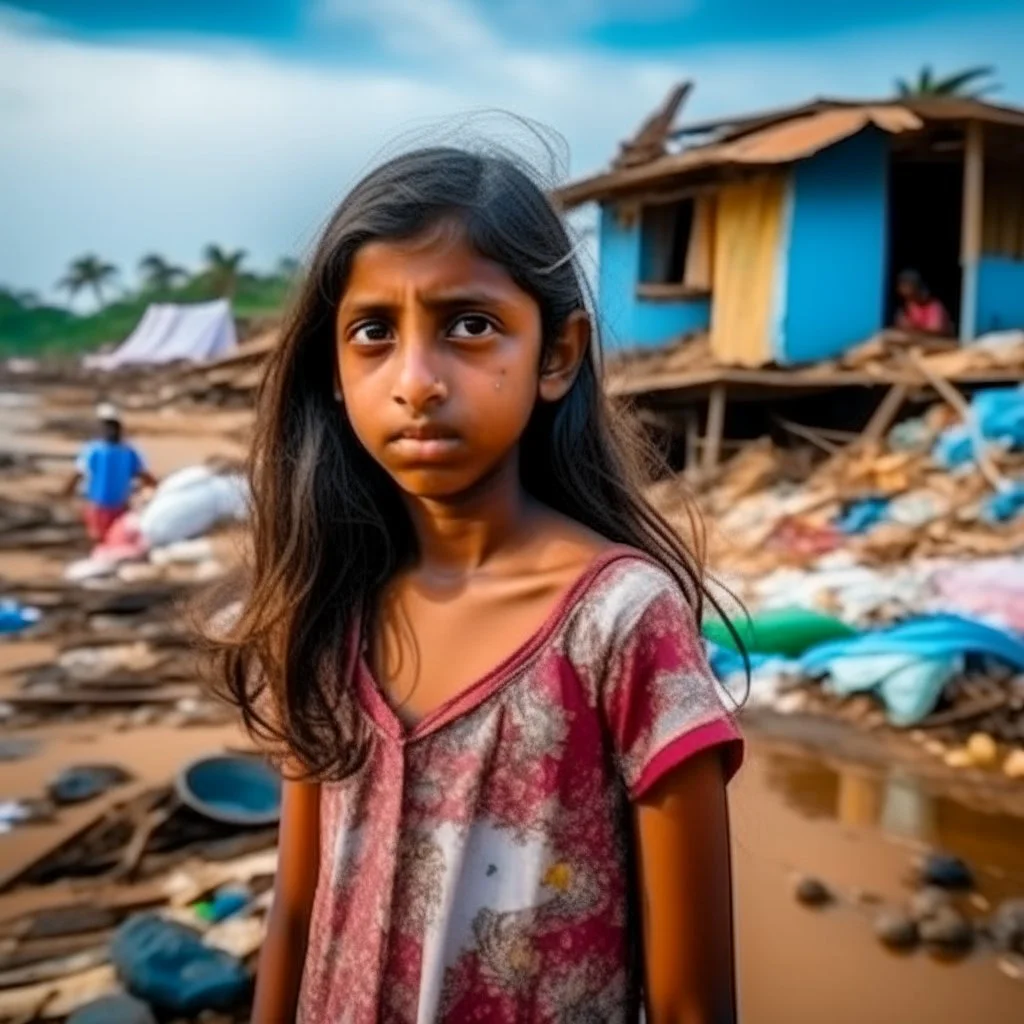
pixel 812 892
pixel 896 929
pixel 1007 926
pixel 946 871
pixel 928 901
pixel 947 930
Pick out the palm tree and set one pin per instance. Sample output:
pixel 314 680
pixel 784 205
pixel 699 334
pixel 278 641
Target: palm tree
pixel 159 275
pixel 88 271
pixel 223 269
pixel 967 84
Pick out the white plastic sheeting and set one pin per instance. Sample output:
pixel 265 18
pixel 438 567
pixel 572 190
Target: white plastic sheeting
pixel 191 502
pixel 170 333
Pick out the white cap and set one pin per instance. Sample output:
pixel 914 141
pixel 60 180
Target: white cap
pixel 107 412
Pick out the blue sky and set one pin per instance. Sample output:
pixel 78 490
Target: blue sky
pixel 165 124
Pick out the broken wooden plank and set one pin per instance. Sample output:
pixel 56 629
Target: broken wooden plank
pixel 59 998
pixel 962 409
pixel 53 969
pixel 884 415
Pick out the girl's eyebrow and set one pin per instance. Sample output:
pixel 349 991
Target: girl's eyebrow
pixel 456 298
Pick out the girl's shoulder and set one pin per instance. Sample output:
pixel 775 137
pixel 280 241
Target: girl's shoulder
pixel 627 593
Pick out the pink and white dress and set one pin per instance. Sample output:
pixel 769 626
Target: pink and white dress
pixel 478 867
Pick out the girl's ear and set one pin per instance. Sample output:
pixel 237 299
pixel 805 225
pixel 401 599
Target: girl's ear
pixel 565 357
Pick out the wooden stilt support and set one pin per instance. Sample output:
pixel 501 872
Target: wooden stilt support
pixel 713 433
pixel 692 424
pixel 971 226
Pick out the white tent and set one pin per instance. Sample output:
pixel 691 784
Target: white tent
pixel 171 333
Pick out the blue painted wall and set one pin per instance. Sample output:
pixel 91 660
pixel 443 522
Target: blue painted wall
pixel 629 321
pixel 1000 294
pixel 834 271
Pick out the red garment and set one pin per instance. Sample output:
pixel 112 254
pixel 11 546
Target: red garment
pixel 99 519
pixel 478 866
pixel 928 316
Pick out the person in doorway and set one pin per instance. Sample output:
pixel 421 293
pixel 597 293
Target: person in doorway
pixel 920 311
pixel 109 468
pixel 471 643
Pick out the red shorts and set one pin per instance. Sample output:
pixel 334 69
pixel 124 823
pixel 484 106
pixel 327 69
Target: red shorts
pixel 99 519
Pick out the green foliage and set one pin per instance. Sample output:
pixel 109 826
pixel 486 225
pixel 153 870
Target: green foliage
pixel 28 328
pixel 971 83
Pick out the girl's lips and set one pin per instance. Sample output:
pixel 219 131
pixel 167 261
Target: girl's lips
pixel 425 448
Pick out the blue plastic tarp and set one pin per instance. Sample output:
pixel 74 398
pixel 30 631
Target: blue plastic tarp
pixel 931 636
pixel 1005 505
pixel 909 665
pixel 997 414
pixel 861 516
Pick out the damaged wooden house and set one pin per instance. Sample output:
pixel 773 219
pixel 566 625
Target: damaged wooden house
pixel 755 256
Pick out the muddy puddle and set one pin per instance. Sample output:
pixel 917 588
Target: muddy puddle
pixel 858 829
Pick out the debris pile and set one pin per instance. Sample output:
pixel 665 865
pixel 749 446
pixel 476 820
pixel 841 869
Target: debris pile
pixel 229 382
pixel 908 539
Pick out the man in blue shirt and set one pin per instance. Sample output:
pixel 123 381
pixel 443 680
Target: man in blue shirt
pixel 109 467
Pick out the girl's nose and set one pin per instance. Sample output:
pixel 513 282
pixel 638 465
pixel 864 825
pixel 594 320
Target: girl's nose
pixel 418 384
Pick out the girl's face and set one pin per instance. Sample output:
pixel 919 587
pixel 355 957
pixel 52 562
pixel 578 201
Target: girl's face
pixel 438 356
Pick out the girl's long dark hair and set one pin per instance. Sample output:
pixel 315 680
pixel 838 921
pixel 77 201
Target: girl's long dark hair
pixel 329 528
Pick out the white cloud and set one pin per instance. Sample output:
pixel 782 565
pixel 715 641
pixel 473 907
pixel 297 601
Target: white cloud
pixel 422 27
pixel 127 148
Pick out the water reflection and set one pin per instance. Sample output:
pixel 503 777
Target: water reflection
pixel 899 805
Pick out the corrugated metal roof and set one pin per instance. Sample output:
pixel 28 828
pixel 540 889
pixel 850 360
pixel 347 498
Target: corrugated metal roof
pixel 784 137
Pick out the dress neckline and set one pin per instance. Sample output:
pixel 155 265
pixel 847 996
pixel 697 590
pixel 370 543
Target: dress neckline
pixel 470 697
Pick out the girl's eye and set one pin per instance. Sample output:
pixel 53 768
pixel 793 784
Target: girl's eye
pixel 373 332
pixel 471 326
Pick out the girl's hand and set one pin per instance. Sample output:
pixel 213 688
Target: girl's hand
pixel 686 892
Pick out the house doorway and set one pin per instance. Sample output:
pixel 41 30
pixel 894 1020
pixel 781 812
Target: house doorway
pixel 925 203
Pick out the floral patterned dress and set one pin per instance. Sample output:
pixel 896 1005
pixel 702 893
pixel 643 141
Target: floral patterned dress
pixel 477 868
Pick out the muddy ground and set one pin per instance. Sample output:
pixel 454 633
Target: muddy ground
pixel 812 799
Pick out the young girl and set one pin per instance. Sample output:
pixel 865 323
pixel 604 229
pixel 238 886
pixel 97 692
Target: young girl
pixel 473 641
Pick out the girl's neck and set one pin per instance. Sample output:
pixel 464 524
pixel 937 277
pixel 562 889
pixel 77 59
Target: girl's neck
pixel 460 535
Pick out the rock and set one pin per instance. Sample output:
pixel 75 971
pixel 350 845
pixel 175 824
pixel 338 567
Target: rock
pixel 1013 766
pixel 928 902
pixel 896 929
pixel 946 871
pixel 119 1009
pixel 983 750
pixel 948 930
pixel 958 757
pixel 1007 926
pixel 168 965
pixel 812 892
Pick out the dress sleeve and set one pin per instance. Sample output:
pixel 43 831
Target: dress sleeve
pixel 661 702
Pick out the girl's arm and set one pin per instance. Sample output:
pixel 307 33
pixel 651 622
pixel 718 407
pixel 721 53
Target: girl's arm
pixel 686 892
pixel 284 950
